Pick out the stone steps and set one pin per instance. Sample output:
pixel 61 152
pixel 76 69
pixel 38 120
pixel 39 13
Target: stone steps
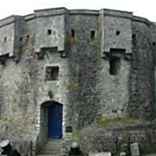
pixel 52 148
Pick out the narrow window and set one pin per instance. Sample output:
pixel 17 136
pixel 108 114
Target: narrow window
pixel 134 36
pixel 28 36
pixel 92 34
pixel 49 32
pixel 72 33
pixel 52 73
pixel 114 63
pixel 117 33
pixel 21 39
pixel 5 39
pixel 154 43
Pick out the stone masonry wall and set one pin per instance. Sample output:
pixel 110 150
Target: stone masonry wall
pixel 104 140
pixel 18 105
pixel 117 33
pixel 141 82
pixel 113 89
pixel 85 87
pixel 83 66
pixel 7 39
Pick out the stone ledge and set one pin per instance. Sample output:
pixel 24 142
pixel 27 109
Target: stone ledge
pixel 7 20
pixel 50 12
pixel 84 12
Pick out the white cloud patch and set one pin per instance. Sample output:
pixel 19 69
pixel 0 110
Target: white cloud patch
pixel 145 8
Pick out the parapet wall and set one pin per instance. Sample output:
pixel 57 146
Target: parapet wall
pixel 50 29
pixel 104 57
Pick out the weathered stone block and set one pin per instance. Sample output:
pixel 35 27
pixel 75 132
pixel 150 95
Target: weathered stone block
pixel 135 149
pixel 100 154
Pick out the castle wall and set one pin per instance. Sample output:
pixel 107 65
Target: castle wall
pixel 50 30
pixel 142 72
pixel 83 66
pixel 117 31
pixel 114 89
pixel 7 32
pixel 108 69
pixel 11 31
pixel 153 33
pixel 17 102
pixel 51 90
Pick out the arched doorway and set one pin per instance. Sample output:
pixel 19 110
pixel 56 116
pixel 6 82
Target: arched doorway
pixel 51 120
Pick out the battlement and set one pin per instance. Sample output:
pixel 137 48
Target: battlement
pixel 50 28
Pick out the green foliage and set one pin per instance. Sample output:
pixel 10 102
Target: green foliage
pixel 148 149
pixel 106 122
pixel 76 136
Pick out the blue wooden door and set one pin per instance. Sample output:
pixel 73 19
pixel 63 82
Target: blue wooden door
pixel 55 121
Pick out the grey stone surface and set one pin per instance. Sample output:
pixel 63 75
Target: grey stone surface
pixel 7 39
pixel 122 153
pixel 135 149
pixel 94 139
pixel 85 86
pixel 100 154
pixel 112 26
pixel 56 25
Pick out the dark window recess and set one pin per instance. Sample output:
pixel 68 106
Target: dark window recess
pixel 92 35
pixel 72 33
pixel 117 32
pixel 114 63
pixel 117 50
pixel 49 32
pixel 5 39
pixel 154 43
pixel 21 39
pixel 114 111
pixel 52 73
pixel 28 36
pixel 134 36
pixel 69 129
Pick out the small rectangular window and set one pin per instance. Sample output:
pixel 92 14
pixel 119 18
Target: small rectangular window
pixel 52 73
pixel 49 32
pixel 92 35
pixel 114 63
pixel 72 33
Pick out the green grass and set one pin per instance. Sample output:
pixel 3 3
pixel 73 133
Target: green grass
pixel 106 122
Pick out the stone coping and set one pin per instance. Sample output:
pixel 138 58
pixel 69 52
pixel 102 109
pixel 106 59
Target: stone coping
pixel 64 11
pixel 7 20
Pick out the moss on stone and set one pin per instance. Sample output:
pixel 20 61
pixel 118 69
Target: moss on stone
pixel 76 136
pixel 106 121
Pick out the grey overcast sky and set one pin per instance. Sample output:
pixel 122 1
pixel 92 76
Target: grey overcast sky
pixel 144 8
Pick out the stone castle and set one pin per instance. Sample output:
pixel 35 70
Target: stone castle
pixel 62 69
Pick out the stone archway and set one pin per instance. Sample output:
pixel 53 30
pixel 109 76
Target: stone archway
pixel 51 118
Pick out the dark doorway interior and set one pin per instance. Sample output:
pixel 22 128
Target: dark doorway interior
pixel 55 121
